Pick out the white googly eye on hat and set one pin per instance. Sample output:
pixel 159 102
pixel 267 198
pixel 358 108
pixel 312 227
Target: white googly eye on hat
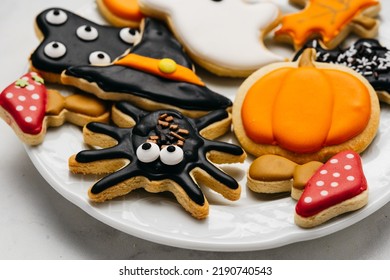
pixel 171 155
pixel 56 17
pixel 55 49
pixel 129 35
pixel 99 58
pixel 87 33
pixel 148 152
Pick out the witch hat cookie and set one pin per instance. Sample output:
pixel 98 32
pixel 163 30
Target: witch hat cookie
pixel 156 74
pixel 69 40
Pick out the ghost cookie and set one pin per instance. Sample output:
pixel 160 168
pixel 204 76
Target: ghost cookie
pixel 29 108
pixel 164 151
pixel 366 56
pixel 329 20
pixel 121 13
pixel 225 37
pixel 155 75
pixel 339 186
pixel 305 110
pixel 69 40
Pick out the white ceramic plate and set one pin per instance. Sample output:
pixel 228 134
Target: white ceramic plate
pixel 254 222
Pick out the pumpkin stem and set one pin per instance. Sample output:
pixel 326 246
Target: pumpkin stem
pixel 307 58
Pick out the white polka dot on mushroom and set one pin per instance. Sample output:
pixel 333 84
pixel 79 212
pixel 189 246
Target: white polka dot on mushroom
pixel 33 108
pixel 348 167
pixel 308 199
pixel 9 95
pixel 28 119
pixel 320 183
pixel 22 98
pixel 334 184
pixel 334 161
pixel 324 193
pixel 350 156
pixel 19 108
pixel 336 174
pixel 323 172
pixel 30 87
pixel 350 178
pixel 35 96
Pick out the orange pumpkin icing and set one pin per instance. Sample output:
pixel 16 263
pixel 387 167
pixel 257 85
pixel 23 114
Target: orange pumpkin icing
pixel 304 109
pixel 324 17
pixel 153 66
pixel 127 9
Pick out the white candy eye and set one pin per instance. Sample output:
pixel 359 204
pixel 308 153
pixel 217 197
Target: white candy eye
pixel 99 58
pixel 171 155
pixel 56 17
pixel 129 35
pixel 148 152
pixel 87 33
pixel 55 49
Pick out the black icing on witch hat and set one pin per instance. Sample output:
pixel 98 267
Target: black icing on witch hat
pixel 156 74
pixel 70 40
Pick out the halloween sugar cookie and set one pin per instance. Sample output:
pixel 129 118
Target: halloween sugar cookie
pixel 225 37
pixel 162 152
pixel 29 108
pixel 339 186
pixel 156 74
pixel 329 20
pixel 366 56
pixel 69 40
pixel 121 13
pixel 305 110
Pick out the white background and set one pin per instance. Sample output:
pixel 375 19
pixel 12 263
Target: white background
pixel 37 223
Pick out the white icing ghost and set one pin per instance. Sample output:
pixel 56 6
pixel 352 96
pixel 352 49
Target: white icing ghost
pixel 224 33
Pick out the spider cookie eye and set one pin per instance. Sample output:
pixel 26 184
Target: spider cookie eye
pixel 56 17
pixel 171 155
pixel 87 33
pixel 55 49
pixel 99 58
pixel 148 152
pixel 128 35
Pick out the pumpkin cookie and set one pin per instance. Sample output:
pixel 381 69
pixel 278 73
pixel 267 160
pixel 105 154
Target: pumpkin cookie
pixel 330 20
pixel 305 110
pixel 120 13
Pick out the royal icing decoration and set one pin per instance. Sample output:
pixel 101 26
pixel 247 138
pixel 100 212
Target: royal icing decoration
pixel 70 40
pixel 25 100
pixel 214 32
pixel 163 74
pixel 163 145
pixel 327 19
pixel 339 179
pixel 125 9
pixel 303 109
pixel 366 56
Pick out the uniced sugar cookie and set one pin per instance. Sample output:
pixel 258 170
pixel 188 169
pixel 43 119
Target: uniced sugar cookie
pixel 225 37
pixel 329 20
pixel 305 110
pixel 163 151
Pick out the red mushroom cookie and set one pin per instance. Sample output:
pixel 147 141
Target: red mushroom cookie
pixel 339 186
pixel 29 108
pixel 305 111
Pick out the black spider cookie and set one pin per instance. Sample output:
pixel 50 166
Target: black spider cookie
pixel 155 75
pixel 366 56
pixel 70 40
pixel 164 151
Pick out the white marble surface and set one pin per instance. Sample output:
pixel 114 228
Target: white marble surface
pixel 38 223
